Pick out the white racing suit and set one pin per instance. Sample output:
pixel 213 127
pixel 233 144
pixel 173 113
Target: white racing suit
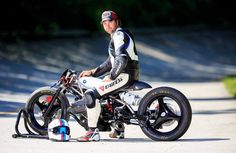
pixel 122 67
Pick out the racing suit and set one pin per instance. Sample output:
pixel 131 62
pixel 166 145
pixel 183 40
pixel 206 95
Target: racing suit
pixel 122 67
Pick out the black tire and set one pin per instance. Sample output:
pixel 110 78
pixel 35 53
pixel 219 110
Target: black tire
pixel 35 102
pixel 164 114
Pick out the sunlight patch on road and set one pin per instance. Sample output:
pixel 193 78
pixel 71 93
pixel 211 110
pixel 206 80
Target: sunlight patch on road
pixel 196 68
pixel 48 68
pixel 155 52
pixel 9 97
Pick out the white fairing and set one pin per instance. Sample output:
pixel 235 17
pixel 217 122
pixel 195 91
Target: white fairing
pixel 103 87
pixel 89 82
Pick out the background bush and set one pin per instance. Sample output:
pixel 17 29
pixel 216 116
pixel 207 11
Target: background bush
pixel 230 83
pixel 39 17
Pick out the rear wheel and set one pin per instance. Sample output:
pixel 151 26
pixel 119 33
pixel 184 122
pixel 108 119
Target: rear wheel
pixel 166 114
pixel 38 104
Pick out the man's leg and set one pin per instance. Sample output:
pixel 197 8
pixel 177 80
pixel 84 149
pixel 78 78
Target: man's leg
pixel 107 87
pixel 93 106
pixel 93 115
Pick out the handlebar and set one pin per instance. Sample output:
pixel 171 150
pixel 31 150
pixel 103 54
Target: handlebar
pixel 68 77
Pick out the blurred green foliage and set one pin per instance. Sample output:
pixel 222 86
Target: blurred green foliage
pixel 41 17
pixel 230 84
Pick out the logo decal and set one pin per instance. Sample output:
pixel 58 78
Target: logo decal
pixel 114 83
pixel 101 88
pixel 111 84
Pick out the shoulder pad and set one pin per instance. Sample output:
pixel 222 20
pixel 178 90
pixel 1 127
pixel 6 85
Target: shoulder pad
pixel 118 35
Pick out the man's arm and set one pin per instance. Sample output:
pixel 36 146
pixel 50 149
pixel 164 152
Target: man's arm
pixel 100 70
pixel 120 63
pixel 103 68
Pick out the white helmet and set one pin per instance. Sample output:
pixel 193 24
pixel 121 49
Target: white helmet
pixel 59 130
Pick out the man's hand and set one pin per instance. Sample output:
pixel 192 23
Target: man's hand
pixel 86 73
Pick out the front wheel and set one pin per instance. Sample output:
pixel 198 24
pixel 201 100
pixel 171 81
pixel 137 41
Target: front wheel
pixel 37 105
pixel 166 114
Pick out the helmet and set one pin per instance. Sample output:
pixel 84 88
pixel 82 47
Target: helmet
pixel 109 15
pixel 59 130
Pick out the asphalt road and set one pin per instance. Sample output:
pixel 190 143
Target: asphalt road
pixel 193 63
pixel 212 129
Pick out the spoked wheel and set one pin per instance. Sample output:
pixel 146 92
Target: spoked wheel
pixel 37 105
pixel 166 114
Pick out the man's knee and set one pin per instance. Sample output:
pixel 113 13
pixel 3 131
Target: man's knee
pixel 90 98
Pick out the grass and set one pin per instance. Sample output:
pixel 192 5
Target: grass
pixel 230 83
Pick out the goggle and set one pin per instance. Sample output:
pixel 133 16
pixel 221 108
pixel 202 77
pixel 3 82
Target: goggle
pixel 61 130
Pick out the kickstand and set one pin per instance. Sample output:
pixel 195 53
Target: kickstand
pixel 30 134
pixel 81 119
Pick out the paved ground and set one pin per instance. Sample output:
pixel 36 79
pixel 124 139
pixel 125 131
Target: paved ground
pixel 212 129
pixel 195 65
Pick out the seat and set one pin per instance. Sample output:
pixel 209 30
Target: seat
pixel 138 85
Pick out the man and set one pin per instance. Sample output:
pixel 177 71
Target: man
pixel 122 65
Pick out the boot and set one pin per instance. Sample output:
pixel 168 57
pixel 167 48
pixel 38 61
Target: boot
pixel 117 134
pixel 91 135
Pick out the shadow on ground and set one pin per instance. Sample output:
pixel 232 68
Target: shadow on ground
pixel 195 56
pixel 147 140
pixel 6 106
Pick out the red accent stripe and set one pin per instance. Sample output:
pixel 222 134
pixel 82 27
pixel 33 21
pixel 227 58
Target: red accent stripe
pixel 60 122
pixel 62 135
pixel 62 138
